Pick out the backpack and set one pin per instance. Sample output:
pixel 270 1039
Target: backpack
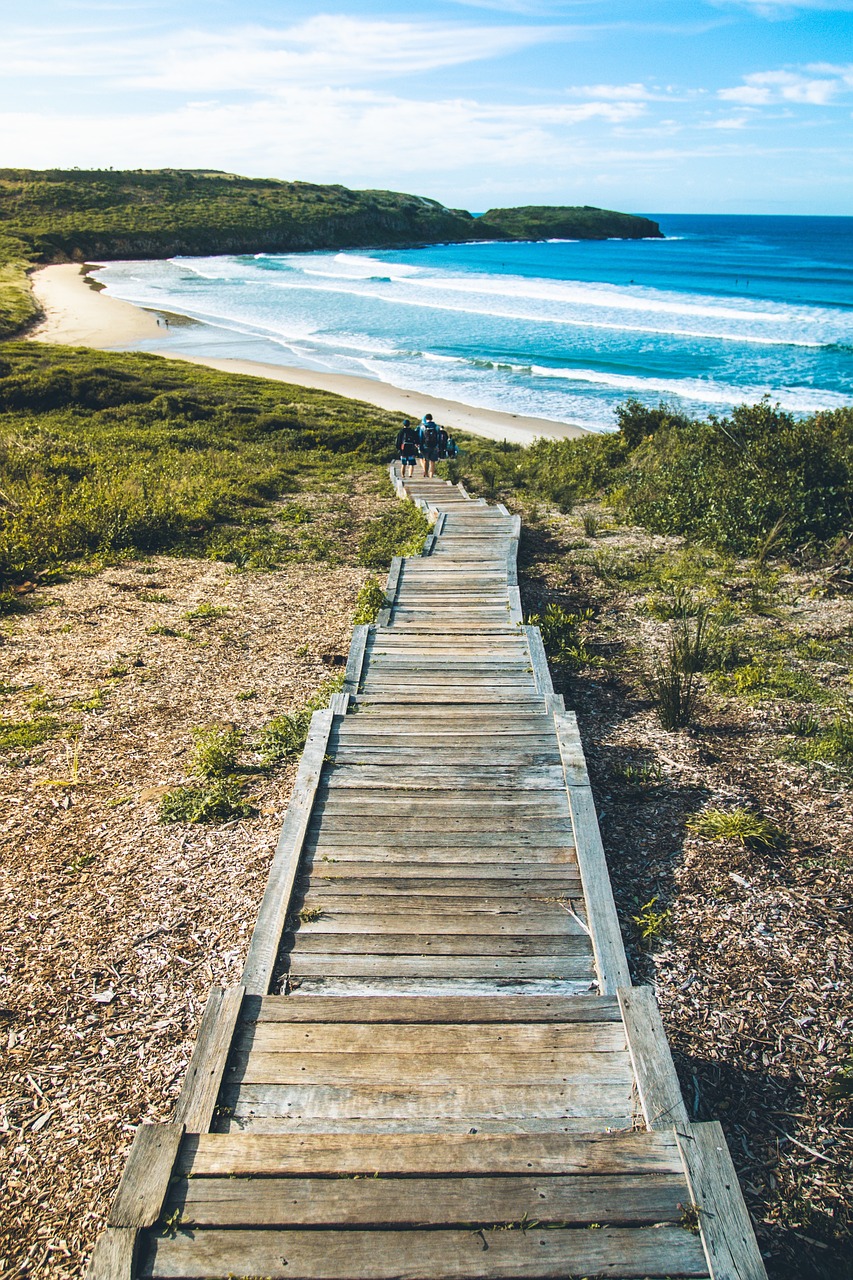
pixel 442 442
pixel 430 435
pixel 407 440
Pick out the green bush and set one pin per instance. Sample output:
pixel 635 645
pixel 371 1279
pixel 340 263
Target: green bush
pixel 284 737
pixel 371 598
pixel 561 635
pixel 216 751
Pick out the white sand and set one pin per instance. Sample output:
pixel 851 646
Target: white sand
pixel 77 315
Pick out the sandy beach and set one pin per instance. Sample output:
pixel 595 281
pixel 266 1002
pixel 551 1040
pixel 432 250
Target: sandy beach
pixel 75 314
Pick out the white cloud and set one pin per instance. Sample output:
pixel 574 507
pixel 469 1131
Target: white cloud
pixel 345 135
pixel 325 49
pixel 763 88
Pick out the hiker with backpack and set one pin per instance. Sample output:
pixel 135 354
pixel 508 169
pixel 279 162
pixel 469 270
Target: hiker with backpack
pixel 407 446
pixel 428 438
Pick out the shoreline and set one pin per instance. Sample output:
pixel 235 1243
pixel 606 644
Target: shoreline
pixel 75 314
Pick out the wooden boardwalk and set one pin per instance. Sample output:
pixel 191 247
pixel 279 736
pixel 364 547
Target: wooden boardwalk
pixel 454 1077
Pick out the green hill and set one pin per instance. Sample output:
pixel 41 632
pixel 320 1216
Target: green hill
pixel 570 222
pixel 62 215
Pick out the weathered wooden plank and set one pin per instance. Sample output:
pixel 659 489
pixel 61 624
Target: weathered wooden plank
pixel 425 1202
pixel 611 963
pixel 724 1223
pixel 478 1038
pixel 433 920
pixel 556 826
pixel 521 911
pixel 457 1009
pixel 200 1090
pixel 523 778
pixel 394 1072
pixel 263 948
pixel 574 1125
pixel 339 705
pixel 657 1083
pixel 571 750
pixel 552 837
pixel 539 662
pixel 427 1255
pixel 114 1256
pixel 355 658
pixel 145 1180
pixel 410 1101
pixel 244 1155
pixel 496 878
pixel 445 756
pixel 408 942
pixel 436 985
pixel 378 803
pixel 318 964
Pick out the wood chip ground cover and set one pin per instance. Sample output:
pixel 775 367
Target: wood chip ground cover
pixel 750 950
pixel 112 925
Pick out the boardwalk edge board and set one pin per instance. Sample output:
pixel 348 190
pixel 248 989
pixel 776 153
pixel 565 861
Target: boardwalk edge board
pixel 461 1023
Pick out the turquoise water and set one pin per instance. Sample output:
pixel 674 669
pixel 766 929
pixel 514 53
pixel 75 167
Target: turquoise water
pixel 721 312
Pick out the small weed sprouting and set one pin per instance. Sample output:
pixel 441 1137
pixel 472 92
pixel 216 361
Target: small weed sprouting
pixel 310 915
pixel 650 922
pixel 215 752
pixel 690 1217
pixel 153 597
pixel 751 830
pixel 591 524
pixel 672 690
pixel 116 670
pixel 247 695
pixel 561 635
pixel 830 745
pixel 215 801
pixel 21 734
pixel 166 631
pixel 639 780
pixel 841 1080
pixel 370 599
pixel 205 613
pixel 284 737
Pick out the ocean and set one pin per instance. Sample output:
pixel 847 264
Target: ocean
pixel 723 311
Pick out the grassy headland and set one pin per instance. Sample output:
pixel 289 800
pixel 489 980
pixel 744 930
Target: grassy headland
pixel 572 222
pixel 102 456
pixel 73 215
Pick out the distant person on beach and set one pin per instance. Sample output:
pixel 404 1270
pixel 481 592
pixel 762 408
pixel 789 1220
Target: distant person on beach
pixel 407 446
pixel 428 440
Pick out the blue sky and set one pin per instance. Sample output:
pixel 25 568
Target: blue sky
pixel 730 106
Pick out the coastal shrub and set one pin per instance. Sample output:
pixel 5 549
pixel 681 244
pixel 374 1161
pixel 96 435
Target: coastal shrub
pixel 737 482
pixel 402 531
pixel 562 636
pixel 371 598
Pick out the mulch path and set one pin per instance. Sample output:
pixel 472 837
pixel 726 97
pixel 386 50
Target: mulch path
pixel 112 926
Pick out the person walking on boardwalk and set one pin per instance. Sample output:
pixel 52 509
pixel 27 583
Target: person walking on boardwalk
pixel 407 446
pixel 428 439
